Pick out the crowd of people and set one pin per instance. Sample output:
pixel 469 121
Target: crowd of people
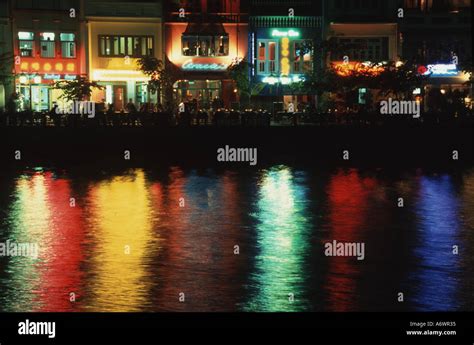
pixel 188 114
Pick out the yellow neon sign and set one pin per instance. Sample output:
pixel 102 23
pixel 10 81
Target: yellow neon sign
pixel 285 54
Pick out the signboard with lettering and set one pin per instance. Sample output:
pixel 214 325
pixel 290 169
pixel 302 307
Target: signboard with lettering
pixel 292 33
pixel 440 70
pixel 199 66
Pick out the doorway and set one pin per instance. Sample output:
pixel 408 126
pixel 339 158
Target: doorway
pixel 2 97
pixel 120 93
pixel 40 98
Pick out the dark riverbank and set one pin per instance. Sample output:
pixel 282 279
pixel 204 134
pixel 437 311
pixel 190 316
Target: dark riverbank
pixel 388 146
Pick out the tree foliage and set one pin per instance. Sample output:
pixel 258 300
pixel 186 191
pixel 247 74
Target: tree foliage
pixel 76 90
pixel 162 74
pixel 239 72
pixel 6 60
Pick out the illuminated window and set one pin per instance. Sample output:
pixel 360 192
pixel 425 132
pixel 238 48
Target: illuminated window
pixel 205 45
pixel 68 45
pixel 120 46
pixel 268 57
pixel 262 57
pixel 47 44
pixel 272 57
pixel 372 49
pixel 129 46
pixel 302 56
pixel 26 43
pixel 437 6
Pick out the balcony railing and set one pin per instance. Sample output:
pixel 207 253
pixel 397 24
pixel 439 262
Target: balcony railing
pixel 285 21
pixel 418 18
pixel 208 17
pixel 129 9
pixel 277 3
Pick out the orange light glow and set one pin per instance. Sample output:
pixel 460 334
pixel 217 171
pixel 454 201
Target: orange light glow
pixel 32 65
pixel 237 50
pixel 345 69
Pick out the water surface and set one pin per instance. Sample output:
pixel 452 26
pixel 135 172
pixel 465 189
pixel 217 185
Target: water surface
pixel 178 239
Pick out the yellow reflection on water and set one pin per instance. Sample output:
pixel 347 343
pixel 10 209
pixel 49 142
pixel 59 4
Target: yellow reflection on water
pixel 282 240
pixel 29 217
pixel 120 215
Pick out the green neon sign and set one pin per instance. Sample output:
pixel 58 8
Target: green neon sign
pixel 285 33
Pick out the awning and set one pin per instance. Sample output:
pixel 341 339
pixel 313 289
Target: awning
pixel 205 29
pixel 446 81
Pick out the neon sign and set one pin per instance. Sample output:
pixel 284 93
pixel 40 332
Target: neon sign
pixel 289 33
pixel 442 70
pixel 282 80
pixel 25 79
pixel 52 76
pixel 59 76
pixel 190 65
pixel 285 56
pixel 46 67
pixel 118 75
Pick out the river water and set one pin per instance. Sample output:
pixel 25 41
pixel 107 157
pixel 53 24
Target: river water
pixel 181 239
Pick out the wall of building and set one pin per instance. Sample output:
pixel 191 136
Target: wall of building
pixel 432 32
pixel 238 45
pixel 6 85
pixel 36 71
pixel 203 18
pixel 125 18
pixel 389 30
pixel 120 69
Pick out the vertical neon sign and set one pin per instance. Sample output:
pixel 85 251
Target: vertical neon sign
pixel 285 54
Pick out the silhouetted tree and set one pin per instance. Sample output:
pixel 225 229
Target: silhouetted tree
pixel 77 90
pixel 162 76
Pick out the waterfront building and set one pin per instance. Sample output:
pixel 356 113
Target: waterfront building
pixel 436 34
pixel 118 34
pixel 366 34
pixel 46 45
pixel 6 62
pixel 283 40
pixel 204 38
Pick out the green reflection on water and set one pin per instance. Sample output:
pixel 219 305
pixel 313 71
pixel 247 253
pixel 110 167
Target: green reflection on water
pixel 283 243
pixel 28 220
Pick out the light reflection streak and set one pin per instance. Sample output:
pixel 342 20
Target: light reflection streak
pixel 283 244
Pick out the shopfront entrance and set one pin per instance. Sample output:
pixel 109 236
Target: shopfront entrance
pixel 120 92
pixel 40 97
pixel 35 97
pixel 206 94
pixel 2 96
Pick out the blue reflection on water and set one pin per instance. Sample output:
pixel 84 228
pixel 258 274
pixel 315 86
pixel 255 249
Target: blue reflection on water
pixel 437 210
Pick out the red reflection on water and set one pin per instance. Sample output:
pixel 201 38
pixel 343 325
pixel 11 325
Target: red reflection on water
pixel 61 273
pixel 347 199
pixel 172 205
pixel 197 257
pixel 232 263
